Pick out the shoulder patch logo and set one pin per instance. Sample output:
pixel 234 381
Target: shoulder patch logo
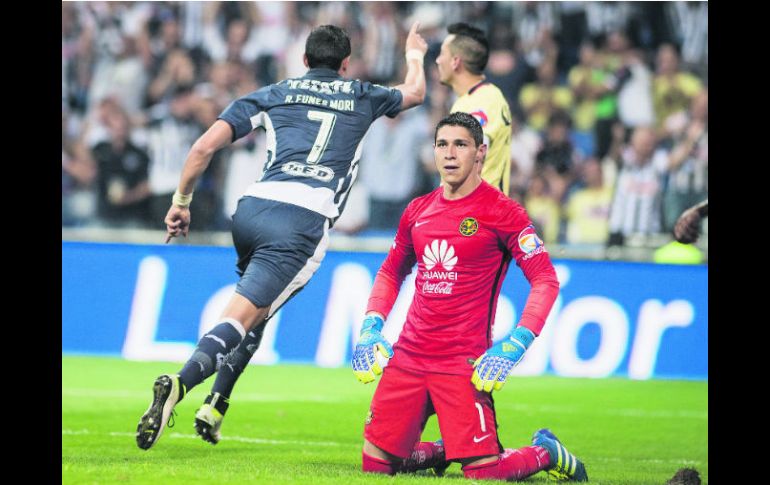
pixel 481 116
pixel 469 226
pixel 528 240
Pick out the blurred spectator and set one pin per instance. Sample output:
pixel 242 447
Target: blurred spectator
pixel 688 162
pixel 636 205
pixel 390 165
pixel 78 173
pixel 169 138
pixel 635 94
pixel 506 67
pixel 381 38
pixel 613 76
pixel 221 84
pixel 299 28
pixel 648 24
pixel 606 17
pixel 525 144
pixel 557 159
pixel 588 208
pixel 118 70
pixel 540 99
pixel 176 69
pixel 690 21
pixel 587 84
pixel 543 209
pixel 536 23
pixel 674 89
pixel 230 31
pixel 76 58
pixel 122 182
pixel 574 29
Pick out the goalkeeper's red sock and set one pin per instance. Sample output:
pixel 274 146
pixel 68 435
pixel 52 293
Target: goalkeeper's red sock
pixel 511 464
pixel 426 454
pixel 376 465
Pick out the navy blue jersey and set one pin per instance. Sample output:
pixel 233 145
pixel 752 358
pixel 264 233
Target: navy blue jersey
pixel 314 126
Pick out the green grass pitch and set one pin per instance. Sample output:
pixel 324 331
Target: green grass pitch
pixel 302 424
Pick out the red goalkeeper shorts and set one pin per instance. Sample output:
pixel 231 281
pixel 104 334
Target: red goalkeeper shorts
pixel 405 399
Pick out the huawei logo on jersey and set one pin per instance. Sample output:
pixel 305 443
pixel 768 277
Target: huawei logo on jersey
pixel 439 252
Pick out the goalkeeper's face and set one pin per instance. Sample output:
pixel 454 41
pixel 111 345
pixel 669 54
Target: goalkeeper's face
pixel 456 154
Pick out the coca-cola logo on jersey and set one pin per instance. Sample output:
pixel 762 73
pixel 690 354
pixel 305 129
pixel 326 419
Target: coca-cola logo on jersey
pixel 442 287
pixel 439 255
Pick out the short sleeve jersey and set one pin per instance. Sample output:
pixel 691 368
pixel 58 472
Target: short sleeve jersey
pixel 314 126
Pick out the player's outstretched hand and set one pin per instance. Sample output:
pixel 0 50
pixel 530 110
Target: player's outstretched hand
pixel 687 227
pixel 415 40
pixel 177 222
pixel 495 365
pixel 365 365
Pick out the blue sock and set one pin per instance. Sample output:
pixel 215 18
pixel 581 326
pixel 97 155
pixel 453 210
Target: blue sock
pixel 237 361
pixel 212 350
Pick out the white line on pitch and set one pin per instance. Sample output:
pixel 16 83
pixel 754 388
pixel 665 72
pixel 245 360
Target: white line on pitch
pixel 240 439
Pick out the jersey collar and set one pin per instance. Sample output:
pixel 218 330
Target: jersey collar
pixel 322 72
pixel 478 85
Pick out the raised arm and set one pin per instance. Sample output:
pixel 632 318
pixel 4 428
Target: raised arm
pixel 413 87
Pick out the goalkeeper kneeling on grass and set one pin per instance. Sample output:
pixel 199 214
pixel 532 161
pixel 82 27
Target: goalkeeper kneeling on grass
pixel 462 236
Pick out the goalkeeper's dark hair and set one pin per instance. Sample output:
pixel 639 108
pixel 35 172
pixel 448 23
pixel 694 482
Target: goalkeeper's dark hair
pixel 471 44
pixel 327 46
pixel 465 120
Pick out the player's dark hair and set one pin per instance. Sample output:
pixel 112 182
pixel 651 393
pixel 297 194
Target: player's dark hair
pixel 471 44
pixel 327 46
pixel 465 120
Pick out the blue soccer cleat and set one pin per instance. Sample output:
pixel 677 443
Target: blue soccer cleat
pixel 564 465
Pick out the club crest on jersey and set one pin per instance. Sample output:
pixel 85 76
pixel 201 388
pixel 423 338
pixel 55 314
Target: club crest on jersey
pixel 481 116
pixel 469 226
pixel 369 417
pixel 530 243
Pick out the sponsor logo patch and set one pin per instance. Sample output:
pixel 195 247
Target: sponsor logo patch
pixel 529 243
pixel 441 288
pixel 439 252
pixel 481 116
pixel 469 226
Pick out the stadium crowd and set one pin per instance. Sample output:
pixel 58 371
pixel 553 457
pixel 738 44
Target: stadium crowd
pixel 609 103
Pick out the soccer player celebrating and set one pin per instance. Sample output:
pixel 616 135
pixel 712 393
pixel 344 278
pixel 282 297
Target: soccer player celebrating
pixel 461 62
pixel 462 236
pixel 314 127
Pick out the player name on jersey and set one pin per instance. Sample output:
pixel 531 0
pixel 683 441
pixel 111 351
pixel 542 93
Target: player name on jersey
pixel 338 104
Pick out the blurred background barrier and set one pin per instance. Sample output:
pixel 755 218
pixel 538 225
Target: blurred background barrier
pixel 153 302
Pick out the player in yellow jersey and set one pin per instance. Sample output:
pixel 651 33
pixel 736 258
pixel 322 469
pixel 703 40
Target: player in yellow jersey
pixel 461 63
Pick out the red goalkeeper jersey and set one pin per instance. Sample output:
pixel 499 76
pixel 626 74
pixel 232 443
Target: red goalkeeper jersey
pixel 462 249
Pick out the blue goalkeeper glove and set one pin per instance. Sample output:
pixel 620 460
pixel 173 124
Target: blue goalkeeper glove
pixel 493 367
pixel 365 365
